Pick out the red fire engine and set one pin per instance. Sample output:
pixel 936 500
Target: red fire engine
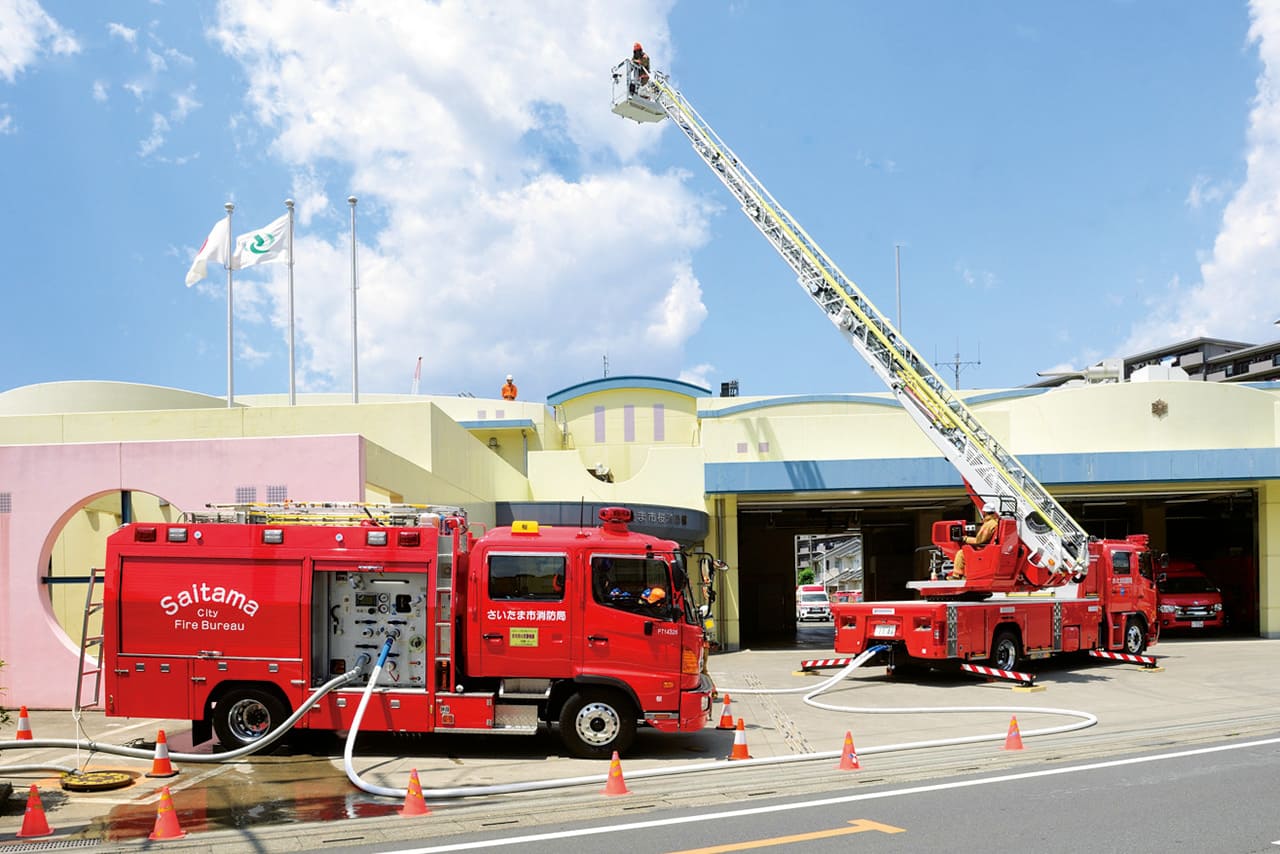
pixel 1043 585
pixel 230 618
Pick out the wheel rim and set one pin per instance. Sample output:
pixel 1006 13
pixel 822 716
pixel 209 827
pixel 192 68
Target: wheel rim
pixel 597 724
pixel 1135 638
pixel 249 720
pixel 1005 656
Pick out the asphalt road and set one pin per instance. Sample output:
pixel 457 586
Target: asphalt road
pixel 1218 798
pixel 1205 692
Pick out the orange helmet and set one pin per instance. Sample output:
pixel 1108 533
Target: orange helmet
pixel 636 46
pixel 654 595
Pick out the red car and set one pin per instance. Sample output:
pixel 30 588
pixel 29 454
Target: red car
pixel 1189 599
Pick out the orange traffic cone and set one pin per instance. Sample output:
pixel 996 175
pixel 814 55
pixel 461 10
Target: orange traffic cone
pixel 726 717
pixel 160 765
pixel 1013 741
pixel 848 756
pixel 24 726
pixel 33 822
pixel 167 826
pixel 615 785
pixel 740 742
pixel 413 801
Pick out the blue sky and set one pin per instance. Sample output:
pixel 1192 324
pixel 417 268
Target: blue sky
pixel 1066 181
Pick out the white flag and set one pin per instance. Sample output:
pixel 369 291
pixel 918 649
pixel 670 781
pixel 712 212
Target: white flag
pixel 264 246
pixel 214 249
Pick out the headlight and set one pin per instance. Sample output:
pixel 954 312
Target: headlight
pixel 1168 609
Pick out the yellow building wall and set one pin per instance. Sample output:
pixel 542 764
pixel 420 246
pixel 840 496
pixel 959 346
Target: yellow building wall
pixel 1269 559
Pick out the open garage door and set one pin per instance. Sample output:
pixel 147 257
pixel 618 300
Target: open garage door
pixel 1214 528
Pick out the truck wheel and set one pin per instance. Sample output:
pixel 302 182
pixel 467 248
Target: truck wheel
pixel 1005 650
pixel 596 722
pixel 1135 636
pixel 245 715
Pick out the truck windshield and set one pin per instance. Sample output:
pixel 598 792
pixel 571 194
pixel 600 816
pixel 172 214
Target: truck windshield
pixel 813 598
pixel 1187 584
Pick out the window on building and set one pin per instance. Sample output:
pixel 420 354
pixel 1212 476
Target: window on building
pixel 660 424
pixel 628 423
pixel 528 577
pixel 599 423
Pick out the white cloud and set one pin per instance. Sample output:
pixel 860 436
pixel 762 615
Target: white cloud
pixel 1205 192
pixel 1236 295
pixel 183 104
pixel 6 123
pixel 159 128
pixel 984 279
pixel 510 226
pixel 128 35
pixel 99 90
pixel 698 374
pixel 27 32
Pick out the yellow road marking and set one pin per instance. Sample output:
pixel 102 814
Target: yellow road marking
pixel 859 825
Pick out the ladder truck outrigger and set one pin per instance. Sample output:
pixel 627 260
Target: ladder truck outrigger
pixel 1042 585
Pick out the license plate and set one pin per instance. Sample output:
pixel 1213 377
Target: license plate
pixel 885 630
pixel 1197 624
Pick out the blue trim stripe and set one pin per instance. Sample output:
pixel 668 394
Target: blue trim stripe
pixel 1056 469
pixel 630 383
pixel 865 399
pixel 498 424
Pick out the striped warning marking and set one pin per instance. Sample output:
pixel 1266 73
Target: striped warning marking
pixel 1147 660
pixel 1013 675
pixel 816 663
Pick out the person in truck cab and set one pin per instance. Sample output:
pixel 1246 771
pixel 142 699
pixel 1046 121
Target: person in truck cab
pixel 981 537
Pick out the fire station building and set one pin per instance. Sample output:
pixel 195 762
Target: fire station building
pixel 1196 465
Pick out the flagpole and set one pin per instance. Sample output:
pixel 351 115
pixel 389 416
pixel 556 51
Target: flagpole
pixel 230 370
pixel 355 349
pixel 293 397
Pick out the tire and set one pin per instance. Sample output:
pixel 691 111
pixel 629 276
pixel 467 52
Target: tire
pixel 1135 636
pixel 1005 650
pixel 596 721
pixel 245 715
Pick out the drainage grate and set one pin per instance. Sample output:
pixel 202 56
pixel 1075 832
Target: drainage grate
pixel 51 845
pixel 6 502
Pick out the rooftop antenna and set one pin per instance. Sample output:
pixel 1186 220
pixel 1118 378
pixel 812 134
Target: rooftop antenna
pixel 606 365
pixel 417 375
pixel 957 365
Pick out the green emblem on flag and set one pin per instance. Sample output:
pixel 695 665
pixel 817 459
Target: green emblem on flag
pixel 262 243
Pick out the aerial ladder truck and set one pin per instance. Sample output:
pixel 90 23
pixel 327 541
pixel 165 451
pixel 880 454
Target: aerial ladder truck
pixel 1042 585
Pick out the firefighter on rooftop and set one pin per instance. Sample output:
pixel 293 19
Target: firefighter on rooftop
pixel 509 390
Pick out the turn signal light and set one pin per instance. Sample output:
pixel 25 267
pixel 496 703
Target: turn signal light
pixel 144 534
pixel 409 538
pixel 689 662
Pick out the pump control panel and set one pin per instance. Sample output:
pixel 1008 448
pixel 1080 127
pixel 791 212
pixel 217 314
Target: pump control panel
pixel 356 610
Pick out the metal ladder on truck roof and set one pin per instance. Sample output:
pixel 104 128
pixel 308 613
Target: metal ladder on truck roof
pixel 326 513
pixel 1057 542
pixel 91 606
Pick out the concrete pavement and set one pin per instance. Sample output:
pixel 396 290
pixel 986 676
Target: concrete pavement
pixel 1207 690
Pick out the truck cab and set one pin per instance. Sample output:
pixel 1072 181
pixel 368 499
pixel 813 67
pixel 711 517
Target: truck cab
pixel 1189 599
pixel 812 603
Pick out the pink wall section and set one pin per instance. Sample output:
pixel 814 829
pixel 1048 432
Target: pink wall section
pixel 49 483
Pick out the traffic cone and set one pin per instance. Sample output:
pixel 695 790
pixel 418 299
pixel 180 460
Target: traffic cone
pixel 615 785
pixel 160 765
pixel 413 801
pixel 24 726
pixel 740 742
pixel 1013 741
pixel 726 717
pixel 848 756
pixel 166 819
pixel 33 821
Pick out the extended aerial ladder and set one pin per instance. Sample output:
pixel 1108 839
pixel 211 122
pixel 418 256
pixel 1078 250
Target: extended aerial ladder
pixel 1056 542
